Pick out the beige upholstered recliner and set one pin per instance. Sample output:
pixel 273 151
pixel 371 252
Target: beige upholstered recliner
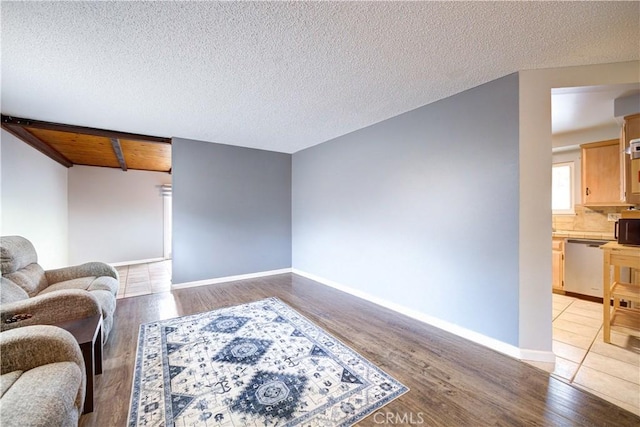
pixel 32 296
pixel 43 378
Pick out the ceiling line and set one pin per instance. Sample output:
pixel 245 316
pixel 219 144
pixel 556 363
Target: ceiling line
pixel 61 127
pixel 26 136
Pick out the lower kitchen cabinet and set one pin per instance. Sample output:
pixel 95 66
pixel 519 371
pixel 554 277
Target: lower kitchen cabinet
pixel 557 265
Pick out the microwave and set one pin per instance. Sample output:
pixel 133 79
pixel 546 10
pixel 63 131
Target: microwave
pixel 627 231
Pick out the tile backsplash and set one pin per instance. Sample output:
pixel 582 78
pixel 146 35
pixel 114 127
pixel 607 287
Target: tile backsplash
pixel 587 219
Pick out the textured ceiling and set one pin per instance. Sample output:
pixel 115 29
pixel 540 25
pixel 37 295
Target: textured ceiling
pixel 277 75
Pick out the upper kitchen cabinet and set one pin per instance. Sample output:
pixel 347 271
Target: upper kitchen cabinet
pixel 631 130
pixel 601 174
pixel 580 115
pixel 609 176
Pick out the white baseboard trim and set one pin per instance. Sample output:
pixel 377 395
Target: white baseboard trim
pixel 492 343
pixel 139 261
pixel 229 278
pixel 537 356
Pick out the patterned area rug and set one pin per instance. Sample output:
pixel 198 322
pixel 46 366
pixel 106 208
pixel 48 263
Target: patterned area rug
pixel 256 364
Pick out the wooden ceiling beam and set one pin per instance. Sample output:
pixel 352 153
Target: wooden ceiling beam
pixel 37 124
pixel 26 136
pixel 117 149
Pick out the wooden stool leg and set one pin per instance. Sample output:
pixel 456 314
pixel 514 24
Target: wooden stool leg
pixel 606 304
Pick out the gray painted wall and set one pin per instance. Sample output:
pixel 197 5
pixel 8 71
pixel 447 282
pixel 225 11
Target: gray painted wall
pixel 231 210
pixel 627 105
pixel 421 209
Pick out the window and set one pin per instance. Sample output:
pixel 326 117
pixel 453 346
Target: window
pixel 562 198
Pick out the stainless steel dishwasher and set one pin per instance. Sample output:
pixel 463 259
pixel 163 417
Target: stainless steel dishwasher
pixel 583 261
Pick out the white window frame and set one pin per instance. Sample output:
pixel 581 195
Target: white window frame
pixel 572 177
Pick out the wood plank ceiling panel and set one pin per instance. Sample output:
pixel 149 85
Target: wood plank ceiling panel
pixel 81 149
pixel 146 155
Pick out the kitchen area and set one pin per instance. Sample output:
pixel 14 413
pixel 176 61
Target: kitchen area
pixel 596 240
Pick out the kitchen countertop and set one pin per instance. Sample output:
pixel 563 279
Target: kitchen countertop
pixel 583 234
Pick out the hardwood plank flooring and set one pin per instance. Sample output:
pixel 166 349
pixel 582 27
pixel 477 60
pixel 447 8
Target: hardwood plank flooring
pixel 452 381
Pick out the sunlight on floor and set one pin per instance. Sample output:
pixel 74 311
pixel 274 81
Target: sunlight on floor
pixel 144 279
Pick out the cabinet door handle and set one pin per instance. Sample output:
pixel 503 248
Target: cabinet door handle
pixel 588 192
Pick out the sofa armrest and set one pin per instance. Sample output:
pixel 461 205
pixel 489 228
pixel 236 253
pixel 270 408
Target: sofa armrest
pixel 96 269
pixel 32 346
pixel 49 308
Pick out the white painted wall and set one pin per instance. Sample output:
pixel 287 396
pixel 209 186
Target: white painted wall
pixel 535 186
pixel 115 216
pixel 34 200
pixel 585 136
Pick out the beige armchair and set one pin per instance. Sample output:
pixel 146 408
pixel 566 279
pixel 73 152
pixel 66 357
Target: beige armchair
pixel 29 295
pixel 42 380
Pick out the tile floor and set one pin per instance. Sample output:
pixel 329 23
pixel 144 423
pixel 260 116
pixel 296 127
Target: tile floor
pixel 611 371
pixel 143 279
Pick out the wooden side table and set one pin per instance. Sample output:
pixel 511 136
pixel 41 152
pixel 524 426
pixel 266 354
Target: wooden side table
pixel 88 333
pixel 616 256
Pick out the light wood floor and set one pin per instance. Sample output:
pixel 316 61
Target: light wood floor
pixel 453 382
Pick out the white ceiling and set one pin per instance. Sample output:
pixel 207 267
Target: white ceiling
pixel 587 108
pixel 278 75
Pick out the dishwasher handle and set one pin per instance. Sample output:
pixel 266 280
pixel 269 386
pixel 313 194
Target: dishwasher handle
pixel 588 243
